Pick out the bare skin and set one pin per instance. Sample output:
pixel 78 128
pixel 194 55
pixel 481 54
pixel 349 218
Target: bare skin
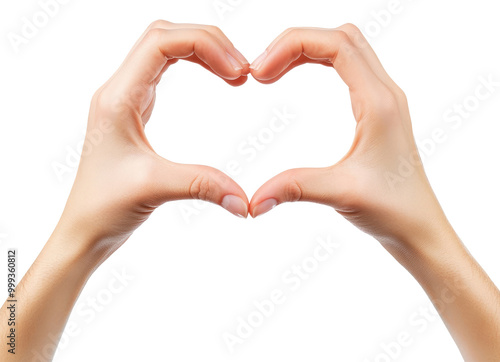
pixel 367 188
pixel 121 181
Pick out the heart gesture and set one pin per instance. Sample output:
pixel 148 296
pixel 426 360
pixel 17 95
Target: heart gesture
pixel 122 180
pixel 379 185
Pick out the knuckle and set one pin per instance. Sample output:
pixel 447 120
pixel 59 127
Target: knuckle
pixel 201 188
pixel 292 190
pixel 102 99
pixel 203 34
pixel 401 95
pixel 96 98
pixel 355 34
pixel 342 37
pixel 350 28
pixel 344 44
pixel 386 103
pixel 214 29
pixel 108 102
pixel 293 32
pixel 159 24
pixel 153 34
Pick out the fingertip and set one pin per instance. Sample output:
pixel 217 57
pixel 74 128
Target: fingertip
pixel 266 74
pixel 260 68
pixel 263 81
pixel 257 63
pixel 241 57
pixel 235 205
pixel 229 68
pixel 263 207
pixel 246 69
pixel 239 62
pixel 237 82
pixel 237 66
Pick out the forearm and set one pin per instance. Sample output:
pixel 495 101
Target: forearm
pixel 465 297
pixel 45 298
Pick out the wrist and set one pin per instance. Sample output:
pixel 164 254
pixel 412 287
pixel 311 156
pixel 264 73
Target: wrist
pixel 431 254
pixel 72 246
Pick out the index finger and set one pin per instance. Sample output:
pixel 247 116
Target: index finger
pixel 318 45
pixel 158 46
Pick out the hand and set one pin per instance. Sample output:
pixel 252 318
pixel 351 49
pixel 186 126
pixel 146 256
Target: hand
pixel 121 180
pixel 381 187
pixel 380 184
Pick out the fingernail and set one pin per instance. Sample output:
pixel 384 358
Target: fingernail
pixel 241 57
pixel 235 205
pixel 236 65
pixel 258 62
pixel 264 207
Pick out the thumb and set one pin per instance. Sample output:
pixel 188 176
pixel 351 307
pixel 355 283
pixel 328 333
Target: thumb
pixel 182 181
pixel 321 185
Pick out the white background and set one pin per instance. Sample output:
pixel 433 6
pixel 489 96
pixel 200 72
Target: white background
pixel 193 277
